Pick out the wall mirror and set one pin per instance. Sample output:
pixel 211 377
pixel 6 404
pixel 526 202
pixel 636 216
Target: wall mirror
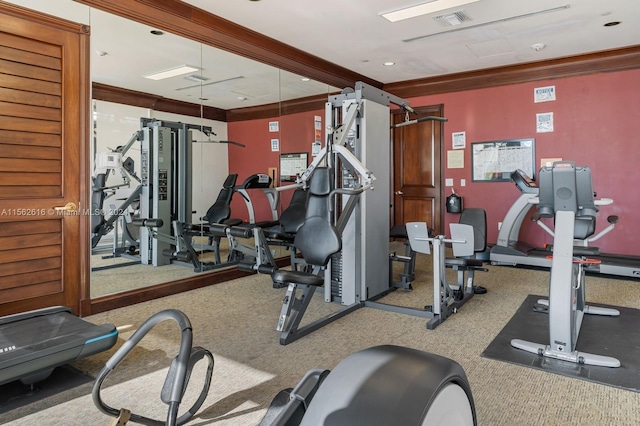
pixel 122 53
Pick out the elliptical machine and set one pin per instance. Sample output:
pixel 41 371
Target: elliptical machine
pixel 566 194
pixel 380 385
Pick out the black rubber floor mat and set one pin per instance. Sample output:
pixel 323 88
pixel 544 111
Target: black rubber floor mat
pixel 618 337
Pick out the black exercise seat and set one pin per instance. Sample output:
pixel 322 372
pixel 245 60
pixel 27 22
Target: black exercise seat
pixel 220 210
pixel 291 218
pixel 297 277
pixel 217 218
pixel 317 239
pixel 463 262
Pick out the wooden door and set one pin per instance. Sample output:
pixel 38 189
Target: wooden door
pixel 44 104
pixel 417 170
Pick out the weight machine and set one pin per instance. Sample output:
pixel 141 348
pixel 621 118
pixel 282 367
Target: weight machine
pixel 356 275
pixel 119 216
pixel 166 185
pixel 447 298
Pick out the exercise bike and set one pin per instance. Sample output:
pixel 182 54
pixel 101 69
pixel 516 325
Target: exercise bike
pixel 566 194
pixel 381 385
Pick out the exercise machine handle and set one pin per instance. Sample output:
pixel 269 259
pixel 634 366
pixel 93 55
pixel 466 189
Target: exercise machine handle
pixel 261 269
pixel 149 223
pixel 177 377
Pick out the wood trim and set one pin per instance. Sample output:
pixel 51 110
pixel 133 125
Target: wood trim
pixel 294 106
pixel 607 61
pixel 592 63
pixel 41 18
pixel 132 297
pixel 196 24
pixel 103 92
pixel 84 153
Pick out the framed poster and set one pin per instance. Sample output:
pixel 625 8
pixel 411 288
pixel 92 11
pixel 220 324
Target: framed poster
pixel 495 161
pixel 292 165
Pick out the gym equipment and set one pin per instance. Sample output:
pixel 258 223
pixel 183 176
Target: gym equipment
pixel 382 385
pixel 406 277
pixel 177 378
pixel 509 250
pixel 317 239
pixel 357 273
pixel 447 298
pixel 566 194
pixel 119 217
pixel 260 181
pixel 282 234
pixel 33 343
pixel 219 225
pixel 166 158
pixel 218 213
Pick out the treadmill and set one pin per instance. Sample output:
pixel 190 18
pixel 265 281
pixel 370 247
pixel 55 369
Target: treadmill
pixel 33 343
pixel 510 251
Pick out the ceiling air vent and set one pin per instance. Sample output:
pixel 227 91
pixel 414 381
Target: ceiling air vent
pixel 451 19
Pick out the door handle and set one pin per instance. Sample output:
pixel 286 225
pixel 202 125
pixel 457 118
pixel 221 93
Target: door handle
pixel 69 207
pixel 399 193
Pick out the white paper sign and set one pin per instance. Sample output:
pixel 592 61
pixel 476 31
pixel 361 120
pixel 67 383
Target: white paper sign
pixel 275 145
pixel 544 122
pixel 274 126
pixel 459 140
pixel 544 94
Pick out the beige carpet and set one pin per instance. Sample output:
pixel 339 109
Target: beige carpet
pixel 236 321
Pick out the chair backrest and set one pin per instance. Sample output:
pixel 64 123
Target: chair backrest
pixel 97 201
pixel 565 187
pixel 220 210
pixel 293 216
pixel 317 239
pixel 477 218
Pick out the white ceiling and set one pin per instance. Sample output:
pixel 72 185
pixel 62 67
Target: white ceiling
pixel 501 32
pixel 350 34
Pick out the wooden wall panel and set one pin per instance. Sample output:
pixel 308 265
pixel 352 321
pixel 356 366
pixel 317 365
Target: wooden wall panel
pixel 30 118
pixel 30 262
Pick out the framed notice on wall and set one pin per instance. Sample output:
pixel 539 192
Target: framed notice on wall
pixel 292 165
pixel 495 161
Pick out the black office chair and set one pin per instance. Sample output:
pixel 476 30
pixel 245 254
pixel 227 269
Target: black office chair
pixel 472 226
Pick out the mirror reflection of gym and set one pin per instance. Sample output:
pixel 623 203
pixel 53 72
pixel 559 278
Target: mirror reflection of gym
pixel 117 126
pixel 118 135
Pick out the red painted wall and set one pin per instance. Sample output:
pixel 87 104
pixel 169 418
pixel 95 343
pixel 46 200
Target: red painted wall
pixel 296 134
pixel 594 125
